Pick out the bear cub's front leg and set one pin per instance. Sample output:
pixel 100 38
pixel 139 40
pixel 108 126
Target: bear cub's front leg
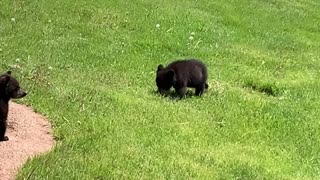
pixel 3 127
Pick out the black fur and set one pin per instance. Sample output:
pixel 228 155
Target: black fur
pixel 182 74
pixel 9 89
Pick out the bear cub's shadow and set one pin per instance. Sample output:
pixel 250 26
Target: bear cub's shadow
pixel 171 94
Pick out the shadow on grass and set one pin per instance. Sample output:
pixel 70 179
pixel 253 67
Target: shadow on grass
pixel 172 95
pixel 266 88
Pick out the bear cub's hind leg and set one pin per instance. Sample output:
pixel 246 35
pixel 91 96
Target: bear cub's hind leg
pixel 200 89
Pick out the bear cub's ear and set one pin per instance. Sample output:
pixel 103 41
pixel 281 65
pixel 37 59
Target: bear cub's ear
pixel 4 79
pixel 9 72
pixel 160 67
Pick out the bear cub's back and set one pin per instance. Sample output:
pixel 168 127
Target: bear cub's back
pixel 191 69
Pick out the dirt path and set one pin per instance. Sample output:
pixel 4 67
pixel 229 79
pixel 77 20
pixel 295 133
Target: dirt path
pixel 29 134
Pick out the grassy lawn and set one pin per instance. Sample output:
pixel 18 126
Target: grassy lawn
pixel 89 66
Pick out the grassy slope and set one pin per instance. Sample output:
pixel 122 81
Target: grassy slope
pixel 90 67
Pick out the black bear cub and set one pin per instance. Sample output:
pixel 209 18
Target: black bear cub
pixel 9 89
pixel 182 74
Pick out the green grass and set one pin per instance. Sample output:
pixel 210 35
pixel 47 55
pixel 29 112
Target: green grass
pixel 89 66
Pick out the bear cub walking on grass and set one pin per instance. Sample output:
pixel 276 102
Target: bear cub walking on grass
pixel 9 89
pixel 182 74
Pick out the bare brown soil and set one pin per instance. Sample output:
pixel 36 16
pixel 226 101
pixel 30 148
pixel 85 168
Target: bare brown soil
pixel 29 134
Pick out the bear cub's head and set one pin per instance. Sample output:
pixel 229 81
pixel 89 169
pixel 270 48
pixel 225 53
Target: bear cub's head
pixel 164 79
pixel 10 88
